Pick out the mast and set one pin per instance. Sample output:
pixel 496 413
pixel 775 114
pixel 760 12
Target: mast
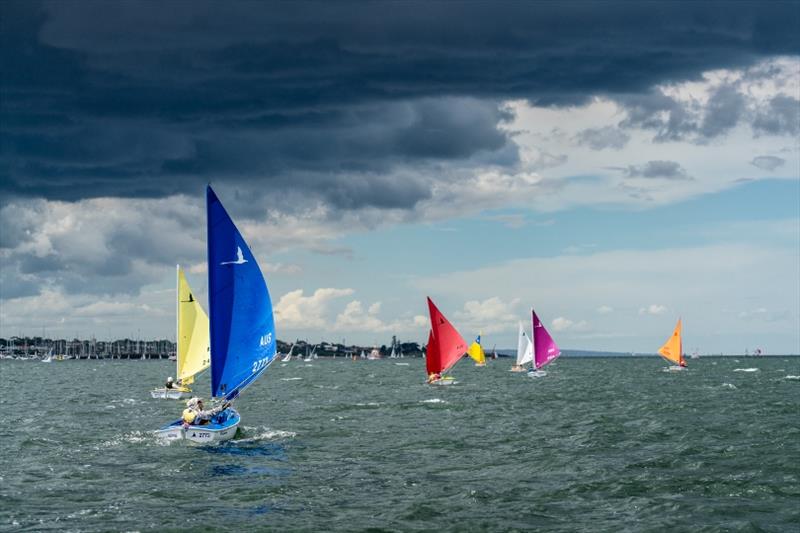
pixel 177 319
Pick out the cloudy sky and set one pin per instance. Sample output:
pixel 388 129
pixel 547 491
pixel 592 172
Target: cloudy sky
pixel 614 165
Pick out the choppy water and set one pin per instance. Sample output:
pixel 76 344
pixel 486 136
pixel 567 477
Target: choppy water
pixel 597 445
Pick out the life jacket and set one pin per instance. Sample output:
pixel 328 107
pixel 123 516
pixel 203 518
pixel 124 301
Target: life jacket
pixel 189 415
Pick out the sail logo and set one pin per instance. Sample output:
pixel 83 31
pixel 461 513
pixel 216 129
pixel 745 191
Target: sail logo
pixel 240 260
pixel 265 340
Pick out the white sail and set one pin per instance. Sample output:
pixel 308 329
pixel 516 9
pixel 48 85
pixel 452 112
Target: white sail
pixel 524 347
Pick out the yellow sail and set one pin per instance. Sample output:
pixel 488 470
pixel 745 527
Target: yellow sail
pixel 476 352
pixel 193 336
pixel 673 348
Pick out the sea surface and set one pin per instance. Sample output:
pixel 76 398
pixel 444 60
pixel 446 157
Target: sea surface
pixel 597 445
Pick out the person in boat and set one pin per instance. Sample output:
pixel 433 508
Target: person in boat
pixel 170 384
pixel 195 413
pixel 434 376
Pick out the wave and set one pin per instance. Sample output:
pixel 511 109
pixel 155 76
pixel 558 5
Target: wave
pixel 290 379
pixel 792 377
pixel 262 434
pixel 729 385
pixel 745 370
pixel 433 400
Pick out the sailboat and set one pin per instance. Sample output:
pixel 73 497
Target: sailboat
pixel 524 351
pixel 672 350
pixel 545 349
pixel 445 347
pixel 475 351
pixel 193 342
pixel 49 357
pixel 288 356
pixel 242 325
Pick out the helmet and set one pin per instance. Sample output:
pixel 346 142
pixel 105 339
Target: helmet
pixel 169 378
pixel 192 402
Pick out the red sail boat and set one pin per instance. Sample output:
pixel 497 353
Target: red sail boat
pixel 445 347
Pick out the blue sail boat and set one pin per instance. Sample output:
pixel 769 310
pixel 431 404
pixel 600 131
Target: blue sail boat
pixel 242 325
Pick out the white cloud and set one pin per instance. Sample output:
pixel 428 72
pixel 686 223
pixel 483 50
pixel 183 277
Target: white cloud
pixel 653 309
pixel 489 316
pixel 563 324
pixel 295 311
pixel 605 309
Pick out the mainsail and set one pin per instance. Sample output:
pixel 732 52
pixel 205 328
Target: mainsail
pixel 545 348
pixel 193 345
pixel 524 348
pixel 476 351
pixel 448 345
pixel 243 340
pixel 672 350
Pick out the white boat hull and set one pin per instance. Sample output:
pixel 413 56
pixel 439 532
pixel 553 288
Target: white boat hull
pixel 675 368
pixel 537 374
pixel 206 434
pixel 443 382
pixel 172 394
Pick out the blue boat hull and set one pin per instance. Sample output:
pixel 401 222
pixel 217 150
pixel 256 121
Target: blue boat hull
pixel 220 428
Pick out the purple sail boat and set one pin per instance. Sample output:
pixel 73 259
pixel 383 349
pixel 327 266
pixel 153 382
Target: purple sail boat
pixel 545 349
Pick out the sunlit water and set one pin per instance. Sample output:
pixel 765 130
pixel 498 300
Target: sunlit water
pixel 596 445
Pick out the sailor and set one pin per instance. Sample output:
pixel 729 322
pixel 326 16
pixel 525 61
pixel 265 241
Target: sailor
pixel 434 376
pixel 195 414
pixel 169 384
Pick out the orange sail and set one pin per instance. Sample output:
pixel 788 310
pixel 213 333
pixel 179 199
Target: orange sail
pixel 445 344
pixel 672 350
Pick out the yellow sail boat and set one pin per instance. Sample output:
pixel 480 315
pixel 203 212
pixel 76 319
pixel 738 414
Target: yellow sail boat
pixel 193 342
pixel 476 352
pixel 672 350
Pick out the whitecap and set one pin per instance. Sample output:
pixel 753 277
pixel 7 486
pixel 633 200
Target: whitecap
pixel 291 379
pixel 265 434
pixel 368 404
pixel 792 377
pixel 433 400
pixel 729 385
pixel 745 370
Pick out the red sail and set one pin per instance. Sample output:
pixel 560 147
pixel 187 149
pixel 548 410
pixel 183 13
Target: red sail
pixel 449 344
pixel 431 354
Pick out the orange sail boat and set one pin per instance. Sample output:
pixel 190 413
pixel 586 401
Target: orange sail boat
pixel 445 347
pixel 672 350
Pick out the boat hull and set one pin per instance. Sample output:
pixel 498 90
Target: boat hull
pixel 221 428
pixel 443 382
pixel 675 368
pixel 536 373
pixel 172 394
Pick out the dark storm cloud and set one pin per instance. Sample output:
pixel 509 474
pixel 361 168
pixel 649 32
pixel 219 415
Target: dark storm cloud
pixel 322 99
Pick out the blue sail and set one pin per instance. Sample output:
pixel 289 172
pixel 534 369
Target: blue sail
pixel 243 340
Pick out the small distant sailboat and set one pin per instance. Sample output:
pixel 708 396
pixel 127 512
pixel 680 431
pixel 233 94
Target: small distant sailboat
pixel 476 352
pixel 445 347
pixel 672 350
pixel 193 342
pixel 545 349
pixel 363 355
pixel 49 357
pixel 524 351
pixel 242 326
pixel 288 356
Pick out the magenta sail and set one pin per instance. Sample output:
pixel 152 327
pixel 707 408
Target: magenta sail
pixel 545 349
